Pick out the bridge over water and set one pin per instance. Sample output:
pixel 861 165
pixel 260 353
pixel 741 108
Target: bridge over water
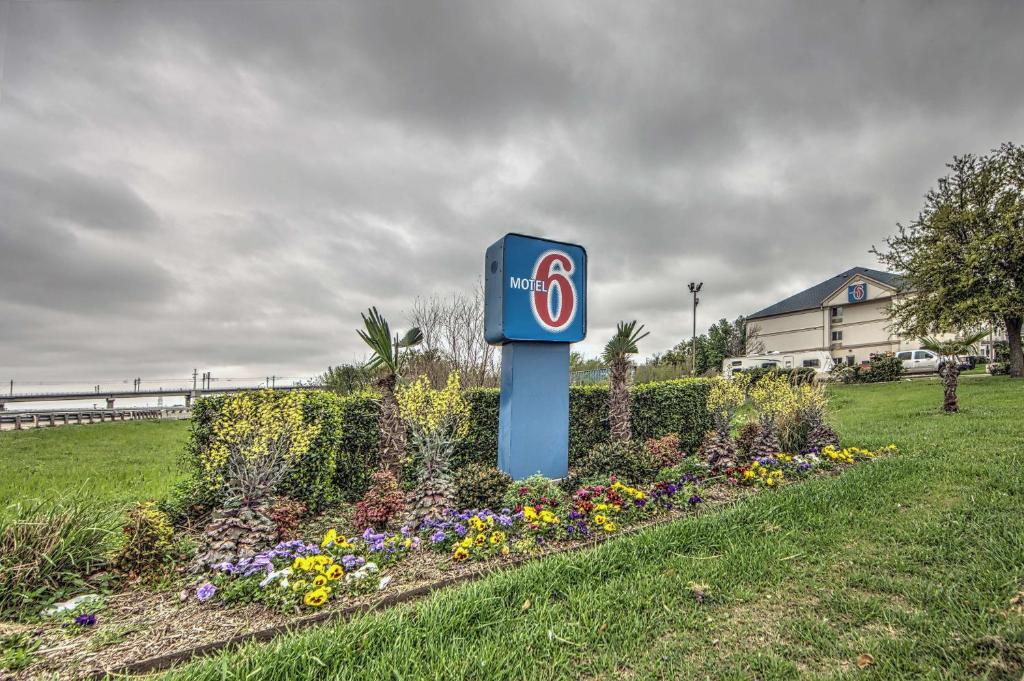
pixel 110 396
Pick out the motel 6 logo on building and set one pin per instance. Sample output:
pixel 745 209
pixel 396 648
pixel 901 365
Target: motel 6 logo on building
pixel 535 290
pixel 857 293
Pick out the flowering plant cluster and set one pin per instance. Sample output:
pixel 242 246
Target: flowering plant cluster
pixel 771 471
pixel 257 427
pixel 849 455
pixel 470 535
pixel 763 471
pixel 295 573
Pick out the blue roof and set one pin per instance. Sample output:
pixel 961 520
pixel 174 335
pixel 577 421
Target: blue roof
pixel 812 298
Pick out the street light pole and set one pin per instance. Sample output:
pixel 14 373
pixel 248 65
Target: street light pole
pixel 694 289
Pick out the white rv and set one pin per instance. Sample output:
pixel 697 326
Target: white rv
pixel 819 360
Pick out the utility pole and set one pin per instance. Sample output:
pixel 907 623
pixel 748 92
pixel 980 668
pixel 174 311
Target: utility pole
pixel 694 289
pixel 194 374
pixel 12 387
pixel 273 382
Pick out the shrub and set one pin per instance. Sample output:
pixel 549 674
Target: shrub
pixel 689 467
pixel 795 376
pixel 287 516
pixel 479 485
pixel 844 373
pixel 883 367
pixel 310 421
pixel 998 368
pixel 382 503
pixel 628 460
pixel 747 435
pixel 725 396
pixel 348 432
pixel 148 546
pixel 47 549
pixel 536 491
pixel 665 450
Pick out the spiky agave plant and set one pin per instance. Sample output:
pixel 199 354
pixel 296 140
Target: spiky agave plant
pixel 616 356
pixel 387 362
pixel 949 368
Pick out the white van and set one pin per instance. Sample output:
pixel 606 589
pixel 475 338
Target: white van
pixel 819 360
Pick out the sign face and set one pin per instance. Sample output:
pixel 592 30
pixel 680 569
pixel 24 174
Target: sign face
pixel 535 290
pixel 857 293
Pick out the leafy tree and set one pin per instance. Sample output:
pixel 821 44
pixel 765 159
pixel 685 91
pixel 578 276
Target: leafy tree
pixel 616 356
pixel 949 369
pixel 578 362
pixel 387 361
pixel 744 338
pixel 343 379
pixel 962 258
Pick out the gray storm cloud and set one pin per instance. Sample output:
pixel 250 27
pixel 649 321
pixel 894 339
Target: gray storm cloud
pixel 228 184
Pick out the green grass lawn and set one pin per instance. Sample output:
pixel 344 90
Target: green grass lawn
pixel 911 560
pixel 115 462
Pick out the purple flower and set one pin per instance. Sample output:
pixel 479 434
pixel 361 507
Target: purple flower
pixel 350 562
pixel 694 500
pixel 226 566
pixel 460 529
pixel 438 537
pixel 206 591
pixel 85 620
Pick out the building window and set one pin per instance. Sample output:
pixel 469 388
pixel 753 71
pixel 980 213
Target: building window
pixel 812 363
pixel 837 336
pixel 850 359
pixel 837 315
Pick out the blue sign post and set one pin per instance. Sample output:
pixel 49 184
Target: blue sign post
pixel 535 306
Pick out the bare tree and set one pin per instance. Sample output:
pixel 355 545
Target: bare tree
pixel 453 339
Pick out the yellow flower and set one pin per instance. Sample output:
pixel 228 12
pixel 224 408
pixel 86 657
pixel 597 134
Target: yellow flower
pixel 608 526
pixel 548 517
pixel 460 554
pixel 330 538
pixel 497 537
pixel 466 542
pixel 301 564
pixel 320 580
pixel 334 572
pixel 504 550
pixel 600 519
pixel 481 539
pixel 529 514
pixel 316 597
pixel 298 585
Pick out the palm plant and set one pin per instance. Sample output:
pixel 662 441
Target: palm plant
pixel 387 362
pixel 949 368
pixel 616 356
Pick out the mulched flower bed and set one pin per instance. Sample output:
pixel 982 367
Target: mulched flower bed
pixel 142 629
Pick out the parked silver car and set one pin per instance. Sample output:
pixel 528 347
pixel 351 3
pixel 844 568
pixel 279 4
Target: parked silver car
pixel 920 361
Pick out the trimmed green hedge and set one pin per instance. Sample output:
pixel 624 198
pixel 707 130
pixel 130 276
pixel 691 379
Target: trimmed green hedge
pixel 350 430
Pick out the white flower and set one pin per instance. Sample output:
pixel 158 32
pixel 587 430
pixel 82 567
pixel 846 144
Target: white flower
pixel 274 575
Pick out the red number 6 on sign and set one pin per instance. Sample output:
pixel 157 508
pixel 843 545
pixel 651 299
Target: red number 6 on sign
pixel 553 269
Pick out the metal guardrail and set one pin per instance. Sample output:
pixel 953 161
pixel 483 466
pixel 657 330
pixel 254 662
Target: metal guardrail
pixel 48 418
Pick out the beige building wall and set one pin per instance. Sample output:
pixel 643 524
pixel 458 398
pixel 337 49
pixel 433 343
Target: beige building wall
pixel 792 332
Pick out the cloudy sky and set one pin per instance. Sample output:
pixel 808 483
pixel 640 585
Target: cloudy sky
pixel 225 185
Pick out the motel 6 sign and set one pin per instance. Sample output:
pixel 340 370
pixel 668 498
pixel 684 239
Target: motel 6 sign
pixel 535 293
pixel 857 293
pixel 536 290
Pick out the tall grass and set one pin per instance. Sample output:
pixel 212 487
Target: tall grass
pixel 49 547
